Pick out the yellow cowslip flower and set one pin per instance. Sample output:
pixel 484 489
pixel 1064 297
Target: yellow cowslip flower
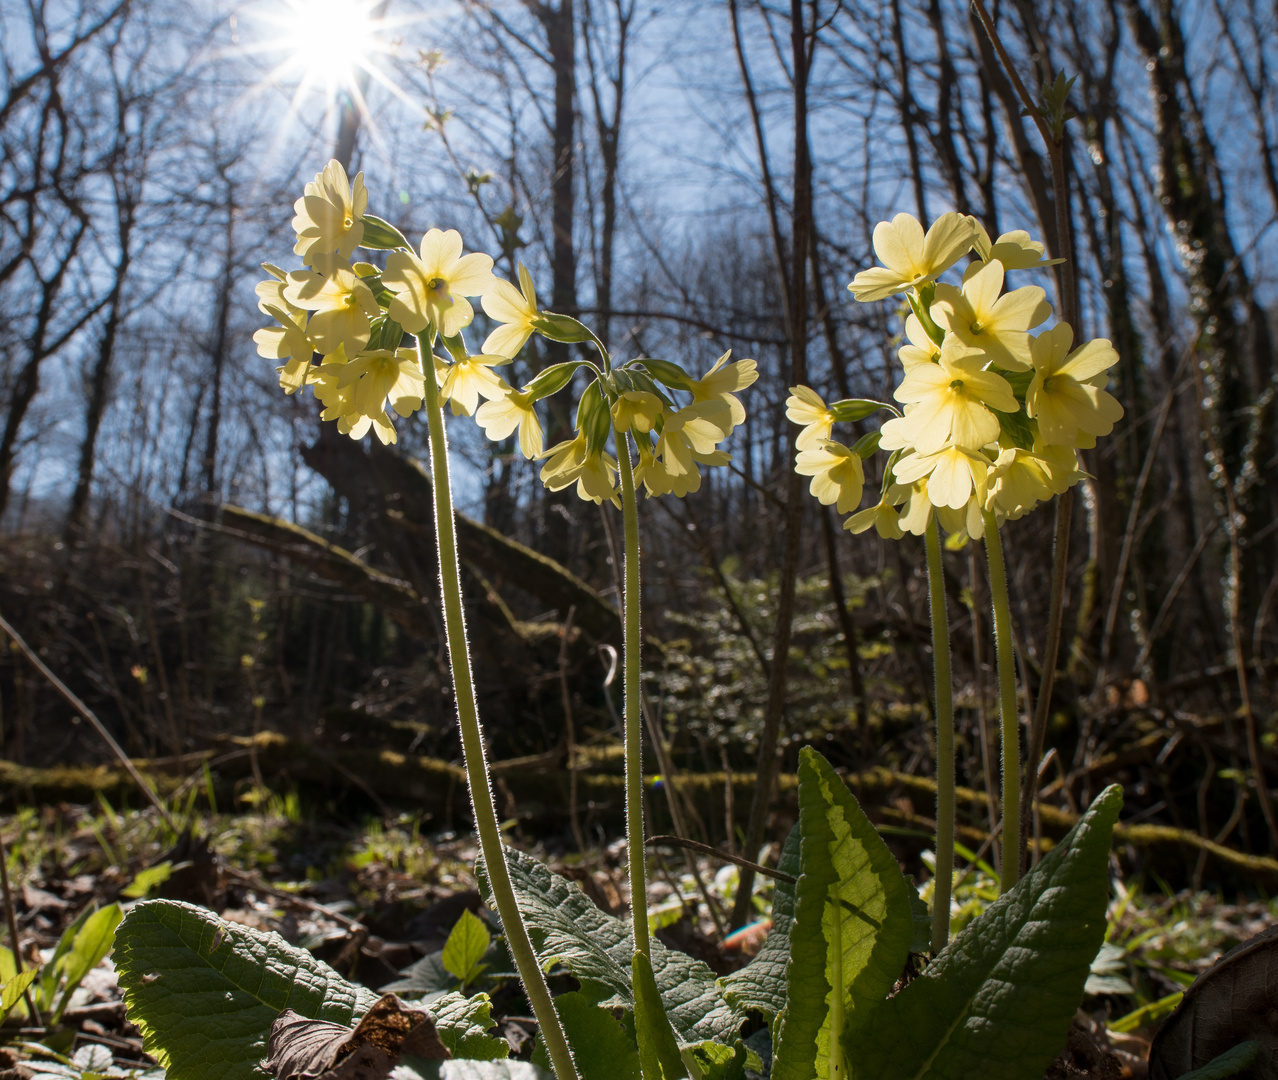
pixel 1015 250
pixel 911 259
pixel 287 341
pixel 1060 466
pixel 515 309
pixel 952 399
pixel 636 409
pixel 466 381
pixel 961 523
pixel 695 429
pixel 658 480
pixel 1066 395
pixel 916 509
pixel 341 303
pixel 805 407
pixel 982 319
pixel 953 475
pixel 921 348
pixel 500 416
pixel 838 475
pixel 431 289
pixel 1017 482
pixel 339 405
pixel 355 393
pixel 595 474
pixel 381 375
pixel 893 434
pixel 721 381
pixel 330 216
pixel 882 515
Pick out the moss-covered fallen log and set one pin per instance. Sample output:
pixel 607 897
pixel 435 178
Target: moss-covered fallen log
pixel 535 791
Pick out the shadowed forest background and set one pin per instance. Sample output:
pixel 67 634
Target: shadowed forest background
pixel 245 599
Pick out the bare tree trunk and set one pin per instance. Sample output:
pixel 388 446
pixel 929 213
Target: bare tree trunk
pixel 909 110
pixel 801 223
pixel 128 189
pixel 39 348
pixel 1235 355
pixel 217 353
pixel 608 131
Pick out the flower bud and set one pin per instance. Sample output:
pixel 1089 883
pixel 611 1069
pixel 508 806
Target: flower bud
pixel 851 410
pixel 593 419
pixel 381 235
pixel 868 445
pixel 562 328
pixel 669 373
pixel 552 380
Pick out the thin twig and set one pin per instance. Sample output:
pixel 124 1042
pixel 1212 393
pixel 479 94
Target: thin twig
pixel 88 714
pixel 258 885
pixel 706 849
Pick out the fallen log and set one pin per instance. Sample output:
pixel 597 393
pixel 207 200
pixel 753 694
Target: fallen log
pixel 535 790
pixel 396 492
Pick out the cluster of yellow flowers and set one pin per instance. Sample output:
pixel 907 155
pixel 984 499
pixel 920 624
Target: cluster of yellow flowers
pixel 672 441
pixel 355 316
pixel 993 415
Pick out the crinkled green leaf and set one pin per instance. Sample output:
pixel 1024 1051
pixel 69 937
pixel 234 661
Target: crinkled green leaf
pixel 566 927
pixel 719 1062
pixel 205 992
pixel 761 983
pixel 998 1001
pixel 852 926
pixel 658 1049
pixel 601 1046
pixel 463 1024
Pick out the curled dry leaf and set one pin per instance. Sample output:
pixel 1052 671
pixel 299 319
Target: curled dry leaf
pixel 1233 1002
pixel 304 1049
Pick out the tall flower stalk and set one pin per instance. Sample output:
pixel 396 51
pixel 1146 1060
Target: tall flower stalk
pixel 632 706
pixel 1009 722
pixel 944 742
pixel 481 794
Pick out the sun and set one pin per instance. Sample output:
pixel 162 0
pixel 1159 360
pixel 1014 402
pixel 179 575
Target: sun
pixel 332 41
pixel 330 48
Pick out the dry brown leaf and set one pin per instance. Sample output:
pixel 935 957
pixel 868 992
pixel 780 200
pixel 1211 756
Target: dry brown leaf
pixel 305 1049
pixel 1234 1001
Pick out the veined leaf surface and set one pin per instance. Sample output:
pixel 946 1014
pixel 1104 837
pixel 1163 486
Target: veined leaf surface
pixel 205 992
pixel 852 926
pixel 998 1001
pixel 566 927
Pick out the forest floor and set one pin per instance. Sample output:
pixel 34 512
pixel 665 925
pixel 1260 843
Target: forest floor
pixel 377 901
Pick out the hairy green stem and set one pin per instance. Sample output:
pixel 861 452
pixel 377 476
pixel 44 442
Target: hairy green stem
pixel 481 794
pixel 944 742
pixel 631 714
pixel 1010 721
